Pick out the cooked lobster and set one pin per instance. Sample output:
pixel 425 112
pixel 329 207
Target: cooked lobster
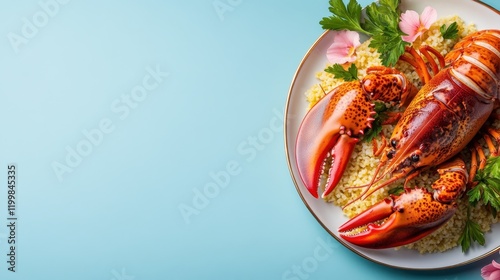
pixel 439 122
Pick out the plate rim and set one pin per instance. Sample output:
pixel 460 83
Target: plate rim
pixel 290 169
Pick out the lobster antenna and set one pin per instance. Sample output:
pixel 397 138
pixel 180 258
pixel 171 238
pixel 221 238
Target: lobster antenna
pixel 322 89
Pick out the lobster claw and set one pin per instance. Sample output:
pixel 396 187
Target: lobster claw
pixel 398 220
pixel 331 129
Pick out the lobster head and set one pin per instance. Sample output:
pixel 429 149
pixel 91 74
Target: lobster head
pixel 430 131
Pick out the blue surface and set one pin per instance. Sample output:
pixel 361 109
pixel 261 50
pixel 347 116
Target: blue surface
pixel 148 141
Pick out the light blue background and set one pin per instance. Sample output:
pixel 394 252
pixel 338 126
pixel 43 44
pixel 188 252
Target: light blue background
pixel 116 215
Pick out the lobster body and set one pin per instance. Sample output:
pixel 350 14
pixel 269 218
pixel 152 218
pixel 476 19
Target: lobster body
pixel 451 108
pixel 442 119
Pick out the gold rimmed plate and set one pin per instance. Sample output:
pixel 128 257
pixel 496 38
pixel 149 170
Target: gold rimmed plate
pixel 331 216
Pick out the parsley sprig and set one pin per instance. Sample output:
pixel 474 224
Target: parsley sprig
pixel 351 74
pixel 488 188
pixel 397 190
pixel 487 191
pixel 472 232
pixel 381 24
pixel 344 17
pixel 450 32
pixel 380 108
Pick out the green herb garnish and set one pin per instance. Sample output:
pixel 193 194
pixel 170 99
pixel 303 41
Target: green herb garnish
pixel 487 191
pixel 397 190
pixel 488 188
pixel 344 17
pixel 472 232
pixel 380 108
pixel 450 32
pixel 381 23
pixel 339 72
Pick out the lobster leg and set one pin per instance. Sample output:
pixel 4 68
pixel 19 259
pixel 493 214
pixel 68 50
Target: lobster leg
pixel 376 149
pixel 473 166
pixel 491 147
pixel 414 59
pixel 492 133
pixel 426 51
pixel 400 220
pixel 478 153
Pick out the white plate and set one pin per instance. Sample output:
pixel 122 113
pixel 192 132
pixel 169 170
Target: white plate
pixel 330 216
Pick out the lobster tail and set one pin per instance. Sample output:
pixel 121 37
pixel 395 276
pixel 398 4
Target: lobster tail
pixel 474 62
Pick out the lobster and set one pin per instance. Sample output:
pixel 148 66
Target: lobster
pixel 441 119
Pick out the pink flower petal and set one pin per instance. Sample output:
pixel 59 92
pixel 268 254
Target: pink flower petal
pixel 429 16
pixel 410 22
pixel 486 271
pixel 495 275
pixel 412 38
pixel 350 37
pixel 336 55
pixel 491 271
pixel 414 25
pixel 343 48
